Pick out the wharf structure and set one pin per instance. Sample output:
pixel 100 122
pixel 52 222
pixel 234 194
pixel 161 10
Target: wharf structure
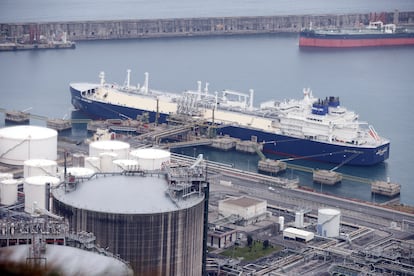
pixel 183 27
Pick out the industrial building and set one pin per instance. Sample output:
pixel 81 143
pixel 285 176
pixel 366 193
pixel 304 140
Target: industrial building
pixel 298 234
pixel 221 236
pixel 248 209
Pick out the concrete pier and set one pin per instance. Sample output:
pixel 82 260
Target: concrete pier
pixel 182 27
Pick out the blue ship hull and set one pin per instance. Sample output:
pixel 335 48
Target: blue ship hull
pixel 274 143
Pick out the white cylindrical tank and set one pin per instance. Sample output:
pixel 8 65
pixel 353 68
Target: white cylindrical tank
pixel 106 161
pixel 78 160
pixel 93 163
pixel 328 222
pixel 118 147
pixel 80 172
pixel 151 159
pixel 6 176
pixel 20 143
pixel 281 223
pixel 8 191
pixel 33 167
pixel 34 188
pixel 121 165
pixel 299 219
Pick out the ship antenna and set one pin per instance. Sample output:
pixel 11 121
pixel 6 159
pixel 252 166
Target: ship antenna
pixel 251 99
pixel 146 82
pixel 128 78
pixel 198 86
pixel 102 77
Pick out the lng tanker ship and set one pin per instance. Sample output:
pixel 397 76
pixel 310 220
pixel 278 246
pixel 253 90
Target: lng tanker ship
pixel 373 35
pixel 318 129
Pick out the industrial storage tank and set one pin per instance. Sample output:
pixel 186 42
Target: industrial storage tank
pixel 121 165
pixel 34 188
pixel 6 176
pixel 20 143
pixel 93 163
pixel 135 217
pixel 151 159
pixel 106 160
pixel 299 219
pixel 78 160
pixel 80 172
pixel 120 148
pixel 8 191
pixel 281 223
pixel 328 222
pixel 33 167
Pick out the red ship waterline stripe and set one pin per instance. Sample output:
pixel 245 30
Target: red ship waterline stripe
pixel 348 43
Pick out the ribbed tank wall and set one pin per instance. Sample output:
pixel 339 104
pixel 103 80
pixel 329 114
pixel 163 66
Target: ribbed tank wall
pixel 167 243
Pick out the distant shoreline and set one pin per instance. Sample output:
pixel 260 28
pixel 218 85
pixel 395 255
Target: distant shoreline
pixel 190 27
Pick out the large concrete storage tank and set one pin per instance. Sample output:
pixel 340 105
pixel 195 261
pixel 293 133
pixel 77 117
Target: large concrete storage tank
pixel 33 167
pixel 34 188
pixel 328 222
pixel 135 218
pixel 121 149
pixel 20 143
pixel 151 159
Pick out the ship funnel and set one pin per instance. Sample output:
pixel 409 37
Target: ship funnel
pixel 102 77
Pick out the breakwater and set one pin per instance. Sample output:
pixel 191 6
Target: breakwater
pixel 181 27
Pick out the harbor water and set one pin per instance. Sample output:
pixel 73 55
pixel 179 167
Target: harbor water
pixel 376 83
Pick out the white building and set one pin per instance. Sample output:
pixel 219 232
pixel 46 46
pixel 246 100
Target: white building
pixel 250 210
pixel 298 234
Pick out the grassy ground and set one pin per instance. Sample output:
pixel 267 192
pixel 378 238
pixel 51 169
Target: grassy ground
pixel 247 253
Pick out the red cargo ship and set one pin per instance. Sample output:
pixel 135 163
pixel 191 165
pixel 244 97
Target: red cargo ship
pixel 376 34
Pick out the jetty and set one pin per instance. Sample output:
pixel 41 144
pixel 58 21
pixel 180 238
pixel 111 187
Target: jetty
pixel 59 124
pixel 386 188
pixel 16 117
pixel 326 177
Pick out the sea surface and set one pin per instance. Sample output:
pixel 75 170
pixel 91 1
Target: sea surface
pixel 377 83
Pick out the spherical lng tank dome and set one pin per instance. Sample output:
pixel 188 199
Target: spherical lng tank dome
pixel 20 143
pixel 70 260
pixel 328 222
pixel 118 147
pixel 137 219
pixel 150 158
